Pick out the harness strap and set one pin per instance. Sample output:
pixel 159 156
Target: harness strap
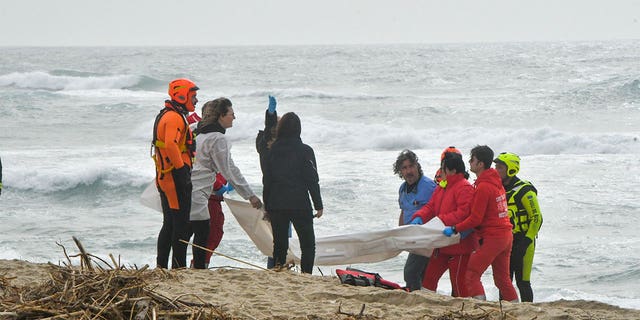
pixel 156 144
pixel 154 152
pixel 161 144
pixel 521 188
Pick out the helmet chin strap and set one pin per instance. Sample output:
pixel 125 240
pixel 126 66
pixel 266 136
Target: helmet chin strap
pixel 179 107
pixel 183 109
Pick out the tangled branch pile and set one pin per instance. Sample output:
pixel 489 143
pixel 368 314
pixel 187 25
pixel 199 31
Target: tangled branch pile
pixel 94 291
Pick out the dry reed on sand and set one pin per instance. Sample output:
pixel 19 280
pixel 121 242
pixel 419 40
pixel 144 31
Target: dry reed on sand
pixel 99 291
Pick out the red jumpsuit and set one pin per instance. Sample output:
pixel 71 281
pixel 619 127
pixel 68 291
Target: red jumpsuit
pixel 490 218
pixel 216 217
pixel 451 205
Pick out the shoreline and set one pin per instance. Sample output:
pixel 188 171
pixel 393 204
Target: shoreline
pixel 256 294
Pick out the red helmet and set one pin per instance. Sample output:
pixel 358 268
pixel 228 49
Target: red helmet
pixel 449 149
pixel 183 91
pixel 439 173
pixel 438 177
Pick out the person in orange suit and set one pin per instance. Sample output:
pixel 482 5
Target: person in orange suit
pixel 173 150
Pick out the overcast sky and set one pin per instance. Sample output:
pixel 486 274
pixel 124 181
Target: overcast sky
pixel 276 22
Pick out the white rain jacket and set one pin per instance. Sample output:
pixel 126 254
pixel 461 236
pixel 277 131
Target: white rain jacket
pixel 213 155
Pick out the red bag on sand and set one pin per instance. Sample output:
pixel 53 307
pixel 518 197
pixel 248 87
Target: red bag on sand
pixel 357 277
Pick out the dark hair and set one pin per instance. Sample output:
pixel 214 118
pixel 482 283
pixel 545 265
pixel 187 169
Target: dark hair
pixel 289 126
pixel 214 109
pixel 454 161
pixel 406 154
pixel 483 154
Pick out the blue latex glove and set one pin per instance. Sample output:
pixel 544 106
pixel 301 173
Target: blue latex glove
pixel 222 190
pixel 448 231
pixel 464 234
pixel 226 188
pixel 416 220
pixel 272 104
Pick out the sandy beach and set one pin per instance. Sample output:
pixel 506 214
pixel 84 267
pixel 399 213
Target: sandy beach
pixel 258 294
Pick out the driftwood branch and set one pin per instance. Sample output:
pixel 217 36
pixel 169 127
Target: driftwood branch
pixel 85 257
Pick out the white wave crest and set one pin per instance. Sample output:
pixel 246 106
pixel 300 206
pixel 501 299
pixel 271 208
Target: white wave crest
pixel 369 135
pixel 549 295
pixel 307 93
pixel 544 140
pixel 47 81
pixel 97 169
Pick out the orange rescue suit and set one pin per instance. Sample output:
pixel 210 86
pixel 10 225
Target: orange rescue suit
pixel 174 148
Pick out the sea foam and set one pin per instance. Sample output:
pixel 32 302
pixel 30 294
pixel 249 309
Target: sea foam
pixel 47 81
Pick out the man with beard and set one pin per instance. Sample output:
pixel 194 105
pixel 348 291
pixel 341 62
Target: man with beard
pixel 414 193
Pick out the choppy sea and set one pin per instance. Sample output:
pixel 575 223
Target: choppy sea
pixel 75 130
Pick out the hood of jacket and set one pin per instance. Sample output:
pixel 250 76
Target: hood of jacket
pixel 490 176
pixel 286 143
pixel 210 127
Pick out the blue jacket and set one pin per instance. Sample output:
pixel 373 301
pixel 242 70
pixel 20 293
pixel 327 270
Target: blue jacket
pixel 410 202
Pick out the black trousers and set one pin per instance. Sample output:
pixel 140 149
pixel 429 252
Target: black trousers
pixel 303 224
pixel 414 270
pixel 200 231
pixel 175 226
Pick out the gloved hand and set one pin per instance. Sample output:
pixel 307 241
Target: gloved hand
pixel 520 248
pixel 416 220
pixel 464 234
pixel 182 178
pixel 224 189
pixel 272 104
pixel 449 231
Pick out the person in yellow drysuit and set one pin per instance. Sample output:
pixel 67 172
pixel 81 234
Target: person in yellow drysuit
pixel 526 218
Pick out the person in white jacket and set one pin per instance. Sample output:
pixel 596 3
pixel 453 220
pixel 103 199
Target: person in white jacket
pixel 213 155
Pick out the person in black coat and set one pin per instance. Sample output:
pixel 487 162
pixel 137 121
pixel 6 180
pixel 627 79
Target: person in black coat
pixel 263 142
pixel 289 177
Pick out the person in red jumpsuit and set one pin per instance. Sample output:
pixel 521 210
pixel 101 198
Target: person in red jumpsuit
pixel 450 203
pixel 490 219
